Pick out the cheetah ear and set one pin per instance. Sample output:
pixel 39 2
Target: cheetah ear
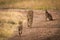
pixel 46 11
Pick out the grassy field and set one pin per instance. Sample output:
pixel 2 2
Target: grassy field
pixel 9 24
pixel 30 4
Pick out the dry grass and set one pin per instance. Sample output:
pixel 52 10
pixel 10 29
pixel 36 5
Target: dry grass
pixel 8 23
pixel 33 4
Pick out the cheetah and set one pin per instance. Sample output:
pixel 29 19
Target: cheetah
pixel 20 28
pixel 30 18
pixel 48 16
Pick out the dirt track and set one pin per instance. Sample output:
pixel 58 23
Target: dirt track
pixel 41 29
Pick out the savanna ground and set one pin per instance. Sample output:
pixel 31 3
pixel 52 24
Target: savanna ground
pixel 41 29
